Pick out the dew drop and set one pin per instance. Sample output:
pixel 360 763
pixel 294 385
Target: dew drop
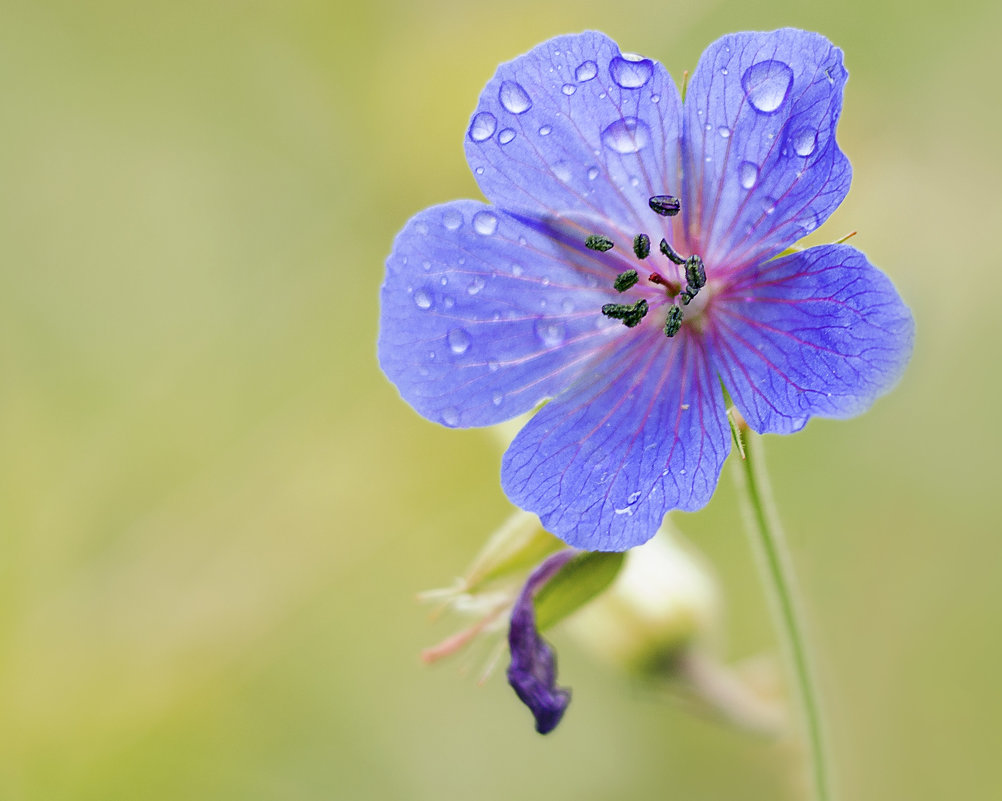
pixel 516 270
pixel 567 306
pixel 804 142
pixel 586 71
pixel 723 70
pixel 545 130
pixel 422 299
pixel 767 84
pixel 482 127
pixel 568 89
pixel 426 265
pixel 768 205
pixel 450 416
pixel 421 228
pixel 634 497
pixel 452 219
pixel 724 132
pixel 626 135
pixel 506 135
pixel 550 332
pixel 449 302
pixel 475 286
pixel 630 71
pixel 655 98
pixel 497 399
pixel 479 171
pixel 459 340
pixel 563 171
pixel 485 223
pixel 514 98
pixel 493 366
pixel 592 173
pixel 748 174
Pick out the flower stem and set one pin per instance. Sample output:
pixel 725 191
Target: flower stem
pixel 770 546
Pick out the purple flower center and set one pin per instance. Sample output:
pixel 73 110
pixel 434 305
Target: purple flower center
pixel 690 271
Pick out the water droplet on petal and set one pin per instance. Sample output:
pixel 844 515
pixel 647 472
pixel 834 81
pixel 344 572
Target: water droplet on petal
pixel 482 127
pixel 626 135
pixel 450 417
pixel 516 269
pixel 423 299
pixel 563 171
pixel 459 340
pixel 810 222
pixel 592 173
pixel 475 286
pixel 634 497
pixel 452 219
pixel 804 142
pixel 493 366
pixel 630 71
pixel 568 89
pixel 497 399
pixel 748 173
pixel 767 84
pixel 724 132
pixel 768 205
pixel 655 98
pixel 485 223
pixel 421 228
pixel 723 70
pixel 545 130
pixel 506 135
pixel 550 332
pixel 586 71
pixel 514 98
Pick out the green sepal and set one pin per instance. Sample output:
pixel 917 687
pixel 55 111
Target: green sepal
pixel 581 579
pixel 517 546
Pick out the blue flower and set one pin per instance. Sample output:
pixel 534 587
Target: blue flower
pixel 488 310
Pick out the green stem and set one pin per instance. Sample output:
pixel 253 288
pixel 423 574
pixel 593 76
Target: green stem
pixel 770 546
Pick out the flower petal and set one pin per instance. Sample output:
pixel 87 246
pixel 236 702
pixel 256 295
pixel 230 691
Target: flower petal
pixel 820 332
pixel 575 126
pixel 484 314
pixel 532 673
pixel 762 168
pixel 642 433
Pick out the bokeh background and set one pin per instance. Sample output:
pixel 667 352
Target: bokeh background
pixel 215 512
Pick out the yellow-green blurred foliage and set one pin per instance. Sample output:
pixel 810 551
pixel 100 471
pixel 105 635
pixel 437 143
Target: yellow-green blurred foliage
pixel 215 512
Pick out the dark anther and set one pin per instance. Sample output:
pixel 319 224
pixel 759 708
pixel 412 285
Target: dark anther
pixel 599 243
pixel 642 245
pixel 669 251
pixel 665 205
pixel 625 280
pixel 630 315
pixel 687 294
pixel 695 273
pixel 674 321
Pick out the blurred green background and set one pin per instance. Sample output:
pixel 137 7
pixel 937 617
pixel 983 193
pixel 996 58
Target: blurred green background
pixel 215 512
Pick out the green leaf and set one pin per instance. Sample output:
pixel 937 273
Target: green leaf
pixel 580 580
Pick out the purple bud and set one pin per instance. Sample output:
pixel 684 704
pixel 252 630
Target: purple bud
pixel 533 669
